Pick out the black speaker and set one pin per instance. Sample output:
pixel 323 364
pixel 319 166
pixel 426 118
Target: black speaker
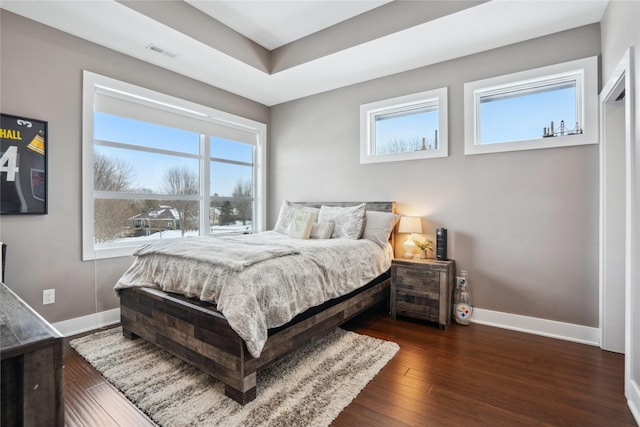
pixel 441 244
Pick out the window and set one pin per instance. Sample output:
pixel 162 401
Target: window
pixel 554 106
pixel 157 167
pixel 404 128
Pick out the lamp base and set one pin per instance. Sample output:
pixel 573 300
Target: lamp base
pixel 409 246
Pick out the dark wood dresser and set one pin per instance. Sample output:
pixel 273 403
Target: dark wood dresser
pixel 32 366
pixel 422 289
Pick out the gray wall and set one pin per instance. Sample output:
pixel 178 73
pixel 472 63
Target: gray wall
pixel 41 77
pixel 620 30
pixel 523 224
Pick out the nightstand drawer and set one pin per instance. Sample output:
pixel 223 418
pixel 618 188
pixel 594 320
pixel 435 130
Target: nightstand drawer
pixel 425 304
pixel 418 279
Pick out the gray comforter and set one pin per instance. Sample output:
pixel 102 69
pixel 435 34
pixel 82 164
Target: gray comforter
pixel 258 281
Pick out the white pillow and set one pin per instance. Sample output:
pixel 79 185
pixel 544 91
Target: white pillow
pixel 300 226
pixel 348 220
pixel 286 215
pixel 322 230
pixel 378 226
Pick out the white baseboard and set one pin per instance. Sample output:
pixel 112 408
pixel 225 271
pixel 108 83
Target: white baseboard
pixel 90 322
pixel 533 325
pixel 530 325
pixel 632 391
pixel 634 411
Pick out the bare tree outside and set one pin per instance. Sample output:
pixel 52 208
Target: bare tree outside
pixel 183 181
pixel 111 216
pixel 398 145
pixel 243 190
pixel 111 174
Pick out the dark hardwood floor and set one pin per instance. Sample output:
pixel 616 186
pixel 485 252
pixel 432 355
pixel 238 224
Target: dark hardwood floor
pixel 467 375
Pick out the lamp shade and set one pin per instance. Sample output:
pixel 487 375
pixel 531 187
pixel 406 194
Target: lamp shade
pixel 410 224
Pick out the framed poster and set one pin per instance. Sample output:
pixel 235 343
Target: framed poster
pixel 23 165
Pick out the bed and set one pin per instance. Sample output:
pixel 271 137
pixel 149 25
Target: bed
pixel 169 308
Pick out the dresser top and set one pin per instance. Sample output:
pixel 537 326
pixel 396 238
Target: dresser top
pixel 21 328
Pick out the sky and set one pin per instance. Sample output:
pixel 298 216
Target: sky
pixel 149 168
pixel 527 116
pixel 412 127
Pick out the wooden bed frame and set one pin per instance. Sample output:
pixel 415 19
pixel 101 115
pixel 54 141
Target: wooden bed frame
pixel 197 333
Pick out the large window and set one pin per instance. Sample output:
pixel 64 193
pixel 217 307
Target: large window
pixel 404 128
pixel 157 167
pixel 553 106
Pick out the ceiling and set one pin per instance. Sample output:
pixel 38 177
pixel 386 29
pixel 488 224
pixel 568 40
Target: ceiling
pixel 329 44
pixel 273 24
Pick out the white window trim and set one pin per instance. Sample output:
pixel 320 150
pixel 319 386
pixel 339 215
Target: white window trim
pixel 93 82
pixel 367 126
pixel 587 94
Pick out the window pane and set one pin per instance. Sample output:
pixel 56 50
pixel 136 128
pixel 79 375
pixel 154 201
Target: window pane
pixel 524 114
pixel 234 215
pixel 231 207
pixel 231 150
pixel 129 221
pixel 117 169
pixel 228 179
pixel 402 132
pixel 121 129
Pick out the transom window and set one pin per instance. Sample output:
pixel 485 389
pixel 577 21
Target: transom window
pixel 157 167
pixel 404 128
pixel 547 107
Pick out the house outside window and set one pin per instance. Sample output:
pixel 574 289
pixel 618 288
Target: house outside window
pixel 157 167
pixel 404 128
pixel 553 106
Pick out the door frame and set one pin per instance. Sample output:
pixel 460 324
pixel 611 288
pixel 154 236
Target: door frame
pixel 613 210
pixel 625 70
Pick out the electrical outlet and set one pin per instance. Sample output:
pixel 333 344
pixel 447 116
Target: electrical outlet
pixel 48 296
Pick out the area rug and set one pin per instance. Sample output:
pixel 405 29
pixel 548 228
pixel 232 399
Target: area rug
pixel 307 388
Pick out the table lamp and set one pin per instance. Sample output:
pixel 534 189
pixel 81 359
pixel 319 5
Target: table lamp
pixel 409 225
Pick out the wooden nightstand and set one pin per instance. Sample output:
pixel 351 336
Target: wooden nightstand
pixel 422 289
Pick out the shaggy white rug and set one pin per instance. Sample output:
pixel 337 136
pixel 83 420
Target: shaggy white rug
pixel 307 388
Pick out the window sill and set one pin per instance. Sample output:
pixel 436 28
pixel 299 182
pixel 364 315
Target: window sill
pixel 532 144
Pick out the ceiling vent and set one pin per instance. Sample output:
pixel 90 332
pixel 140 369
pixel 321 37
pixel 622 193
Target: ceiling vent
pixel 158 49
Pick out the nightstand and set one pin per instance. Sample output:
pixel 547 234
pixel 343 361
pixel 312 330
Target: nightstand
pixel 422 289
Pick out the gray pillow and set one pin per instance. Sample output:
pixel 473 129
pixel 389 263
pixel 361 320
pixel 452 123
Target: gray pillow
pixel 348 220
pixel 285 216
pixel 322 230
pixel 378 226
